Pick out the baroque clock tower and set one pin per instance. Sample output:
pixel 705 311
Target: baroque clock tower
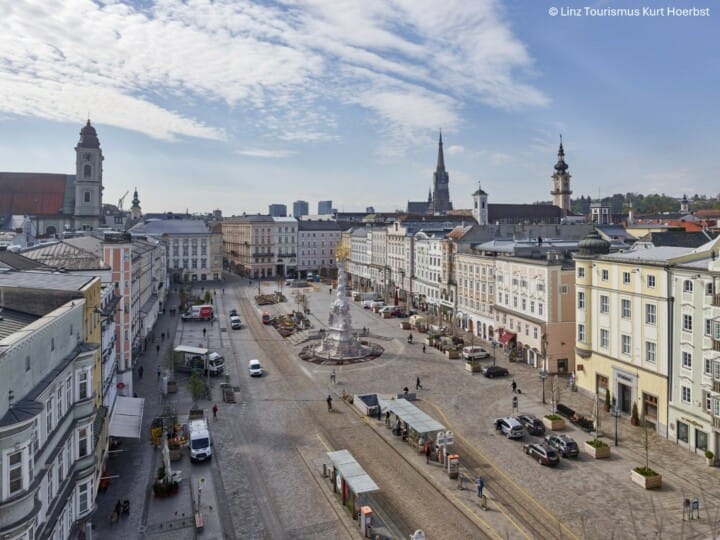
pixel 88 180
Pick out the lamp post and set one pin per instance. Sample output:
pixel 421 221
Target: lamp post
pixel 494 347
pixel 615 412
pixel 543 375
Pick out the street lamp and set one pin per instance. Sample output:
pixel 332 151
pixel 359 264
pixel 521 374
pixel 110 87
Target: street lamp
pixel 615 412
pixel 494 347
pixel 543 375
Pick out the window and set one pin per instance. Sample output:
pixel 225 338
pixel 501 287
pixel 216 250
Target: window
pixel 49 415
pixel 524 304
pixel 708 327
pixel 535 332
pixel 68 392
pixel 709 289
pixel 27 363
pixel 532 306
pixel 625 308
pixel 564 289
pixel 650 348
pixel 83 384
pixel 604 338
pixel 626 344
pixel 82 442
pixel 707 369
pixel 687 323
pixel 581 333
pixel 650 313
pixel 687 360
pixel 16 476
pixel 87 171
pixel 50 484
pixel 83 498
pixel 651 281
pixel 626 278
pixel 581 300
pixel 605 275
pixel 604 304
pixel 540 308
pixel 581 272
pixel 687 286
pixel 685 394
pixel 87 196
pixel 59 401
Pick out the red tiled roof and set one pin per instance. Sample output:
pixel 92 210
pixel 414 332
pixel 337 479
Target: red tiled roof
pixel 32 193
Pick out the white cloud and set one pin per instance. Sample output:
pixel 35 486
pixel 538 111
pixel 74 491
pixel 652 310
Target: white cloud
pixel 455 149
pixel 286 69
pixel 265 153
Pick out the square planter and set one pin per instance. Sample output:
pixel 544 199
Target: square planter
pixel 647 482
pixel 473 367
pixel 598 453
pixel 452 353
pixel 554 425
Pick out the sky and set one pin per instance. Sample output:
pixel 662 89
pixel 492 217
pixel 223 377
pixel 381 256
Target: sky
pixel 234 104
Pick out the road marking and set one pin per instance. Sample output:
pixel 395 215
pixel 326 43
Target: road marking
pixel 323 442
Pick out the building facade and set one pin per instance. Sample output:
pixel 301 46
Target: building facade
pixel 277 210
pixel 248 245
pixel 300 209
pixel 325 208
pixel 285 241
pixel 317 242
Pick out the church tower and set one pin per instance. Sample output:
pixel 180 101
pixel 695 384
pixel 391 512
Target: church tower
pixel 135 210
pixel 561 183
pixel 88 180
pixel 441 194
pixel 685 205
pixel 480 206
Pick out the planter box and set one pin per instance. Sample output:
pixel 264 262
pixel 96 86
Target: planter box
pixel 172 387
pixel 473 367
pixel 598 453
pixel 554 425
pixel 452 353
pixel 647 482
pixel 176 454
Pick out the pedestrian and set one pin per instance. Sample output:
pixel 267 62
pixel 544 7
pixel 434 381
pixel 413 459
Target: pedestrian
pixel 118 509
pixel 157 348
pixel 332 377
pixel 514 386
pixel 480 484
pixel 379 413
pixel 423 347
pixel 406 390
pixel 418 386
pixel 387 418
pixel 515 403
pixel 214 410
pixel 204 332
pixel 428 452
pixel 329 402
pixel 158 371
pixel 140 372
pixel 162 336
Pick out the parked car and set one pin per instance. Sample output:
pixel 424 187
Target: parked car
pixel 510 427
pixel 534 426
pixel 474 353
pixel 255 368
pixel 235 322
pixel 495 371
pixel 545 454
pixel 233 312
pixel 565 445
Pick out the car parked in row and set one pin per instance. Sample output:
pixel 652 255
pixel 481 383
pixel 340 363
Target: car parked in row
pixel 545 454
pixel 533 425
pixel 510 427
pixel 233 312
pixel 495 371
pixel 565 445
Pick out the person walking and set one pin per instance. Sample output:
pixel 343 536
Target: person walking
pixel 428 452
pixel 332 377
pixel 514 386
pixel 204 332
pixel 480 484
pixel 162 336
pixel 423 347
pixel 158 371
pixel 329 402
pixel 214 410
pixel 157 348
pixel 418 386
pixel 140 372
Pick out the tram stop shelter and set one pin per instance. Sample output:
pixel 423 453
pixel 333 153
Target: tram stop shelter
pixel 420 426
pixel 350 480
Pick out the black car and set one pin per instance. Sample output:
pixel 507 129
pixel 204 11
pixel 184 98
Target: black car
pixel 563 444
pixel 233 313
pixel 544 454
pixel 495 371
pixel 533 425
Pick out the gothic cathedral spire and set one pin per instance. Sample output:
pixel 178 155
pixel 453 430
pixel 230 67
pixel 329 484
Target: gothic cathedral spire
pixel 440 203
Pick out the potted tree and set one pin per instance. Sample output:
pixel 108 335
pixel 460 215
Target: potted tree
pixel 607 400
pixel 634 420
pixel 710 458
pixel 554 422
pixel 163 485
pixel 645 476
pixel 595 447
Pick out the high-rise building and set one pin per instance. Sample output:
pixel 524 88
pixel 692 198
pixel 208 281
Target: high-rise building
pixel 277 210
pixel 300 208
pixel 325 207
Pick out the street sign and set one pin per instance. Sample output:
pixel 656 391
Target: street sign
pixel 441 438
pixel 449 438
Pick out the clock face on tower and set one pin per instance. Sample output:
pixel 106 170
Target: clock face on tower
pixel 87 157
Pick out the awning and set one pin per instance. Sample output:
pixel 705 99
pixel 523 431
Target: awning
pixel 351 471
pixel 418 420
pixel 507 337
pixel 127 416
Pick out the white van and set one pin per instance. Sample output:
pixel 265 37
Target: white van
pixel 255 368
pixel 200 441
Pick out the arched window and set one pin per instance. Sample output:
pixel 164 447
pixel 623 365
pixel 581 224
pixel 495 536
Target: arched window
pixel 87 196
pixel 87 170
pixel 687 286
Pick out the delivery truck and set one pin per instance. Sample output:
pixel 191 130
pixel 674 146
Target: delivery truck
pixel 202 312
pixel 187 359
pixel 200 443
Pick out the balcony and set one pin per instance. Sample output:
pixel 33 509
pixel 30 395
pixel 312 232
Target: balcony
pixel 716 299
pixel 716 387
pixel 716 344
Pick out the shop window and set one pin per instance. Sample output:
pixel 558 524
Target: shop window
pixel 682 431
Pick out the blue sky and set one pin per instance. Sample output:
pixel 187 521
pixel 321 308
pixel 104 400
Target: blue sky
pixel 235 105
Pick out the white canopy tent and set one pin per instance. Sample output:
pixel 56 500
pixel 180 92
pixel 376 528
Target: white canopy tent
pixel 126 420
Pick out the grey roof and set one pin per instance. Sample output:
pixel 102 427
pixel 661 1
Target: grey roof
pixel 9 259
pixel 417 207
pixel 171 226
pixel 12 321
pixel 615 232
pixel 318 226
pixel 677 238
pixel 651 255
pixel 528 212
pixel 45 280
pixel 64 255
pixel 351 471
pixel 256 218
pixel 418 420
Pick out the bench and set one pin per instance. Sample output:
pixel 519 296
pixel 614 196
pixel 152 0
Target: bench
pixel 199 523
pixel 575 418
pixel 564 410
